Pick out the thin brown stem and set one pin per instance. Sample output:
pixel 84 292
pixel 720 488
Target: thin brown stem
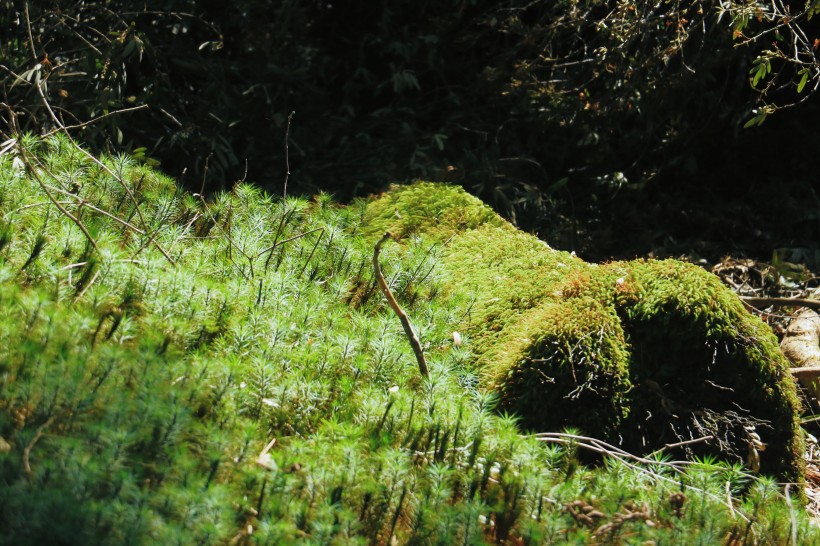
pixel 37 435
pixel 287 160
pixel 30 36
pixel 102 165
pixel 96 119
pixel 405 320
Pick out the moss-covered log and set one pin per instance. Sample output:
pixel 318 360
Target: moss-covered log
pixel 642 353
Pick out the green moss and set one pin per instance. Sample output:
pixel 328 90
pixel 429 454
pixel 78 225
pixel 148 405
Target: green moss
pixel 436 210
pixel 142 379
pixel 564 364
pixel 642 353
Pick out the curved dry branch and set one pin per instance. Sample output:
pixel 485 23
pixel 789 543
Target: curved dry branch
pixel 405 321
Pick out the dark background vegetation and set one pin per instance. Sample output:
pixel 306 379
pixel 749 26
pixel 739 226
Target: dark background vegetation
pixel 611 128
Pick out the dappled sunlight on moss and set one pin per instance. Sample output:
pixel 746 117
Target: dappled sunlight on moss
pixel 225 371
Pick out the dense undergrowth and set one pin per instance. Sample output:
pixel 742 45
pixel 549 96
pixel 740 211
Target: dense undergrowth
pixel 180 372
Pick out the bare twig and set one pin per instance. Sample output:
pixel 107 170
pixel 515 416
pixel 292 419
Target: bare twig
pixel 681 444
pixel 283 241
pixel 405 321
pixel 625 458
pixel 83 203
pixel 37 435
pixel 109 171
pixel 228 237
pixel 205 173
pixel 96 119
pixel 312 251
pixel 87 286
pixel 102 165
pixel 287 160
pixel 30 37
pixel 753 301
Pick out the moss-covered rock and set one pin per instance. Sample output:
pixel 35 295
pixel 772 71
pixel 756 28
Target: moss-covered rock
pixel 641 353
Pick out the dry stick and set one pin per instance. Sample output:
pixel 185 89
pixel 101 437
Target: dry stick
pixel 205 174
pixel 405 321
pixel 604 448
pixel 289 239
pixel 227 236
pixel 83 203
pixel 287 161
pixel 87 286
pixel 96 119
pixel 752 301
pixel 809 372
pixel 313 250
pixel 30 36
pixel 37 435
pixel 681 444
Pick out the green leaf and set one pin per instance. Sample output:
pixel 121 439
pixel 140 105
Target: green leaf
pixel 804 78
pixel 760 71
pixel 557 185
pixel 814 9
pixel 438 140
pixel 758 119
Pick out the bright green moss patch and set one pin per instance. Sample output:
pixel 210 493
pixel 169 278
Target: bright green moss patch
pixel 643 353
pixel 225 372
pixel 436 210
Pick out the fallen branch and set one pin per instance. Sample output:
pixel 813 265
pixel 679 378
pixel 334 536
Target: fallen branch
pixel 753 301
pixel 405 321
pixel 809 372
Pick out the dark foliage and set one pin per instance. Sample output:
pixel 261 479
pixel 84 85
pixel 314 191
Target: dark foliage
pixel 585 121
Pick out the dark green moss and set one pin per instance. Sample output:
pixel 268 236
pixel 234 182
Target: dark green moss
pixel 642 353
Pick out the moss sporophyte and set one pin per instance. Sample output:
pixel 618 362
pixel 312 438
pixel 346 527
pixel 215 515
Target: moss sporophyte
pixel 182 370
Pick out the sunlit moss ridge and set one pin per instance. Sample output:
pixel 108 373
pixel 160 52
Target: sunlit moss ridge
pixel 224 371
pixel 643 353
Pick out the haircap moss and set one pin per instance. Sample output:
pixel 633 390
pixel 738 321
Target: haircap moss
pixel 215 371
